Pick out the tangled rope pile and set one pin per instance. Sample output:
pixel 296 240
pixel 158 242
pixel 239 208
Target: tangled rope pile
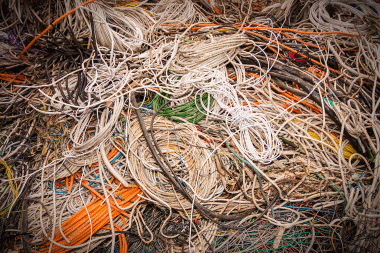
pixel 189 126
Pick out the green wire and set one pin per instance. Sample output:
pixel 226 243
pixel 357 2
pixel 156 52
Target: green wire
pixel 6 186
pixel 192 111
pixel 332 186
pixel 217 30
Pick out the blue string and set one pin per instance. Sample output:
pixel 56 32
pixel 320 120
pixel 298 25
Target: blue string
pixel 99 174
pixel 307 208
pixel 94 180
pixel 51 186
pixel 116 158
pixel 66 191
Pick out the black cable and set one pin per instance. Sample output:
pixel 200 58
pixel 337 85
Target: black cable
pixel 328 110
pixel 211 215
pixel 180 184
pixel 292 75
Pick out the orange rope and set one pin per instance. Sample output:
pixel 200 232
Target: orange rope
pixel 78 228
pixel 280 44
pixel 285 106
pixel 216 10
pixel 262 27
pixel 51 26
pixel 109 156
pixel 296 98
pixel 300 54
pixel 294 31
pixel 71 184
pixel 13 77
pixel 294 51
pixel 122 240
pixel 275 51
pixel 187 25
pixel 152 88
pixel 85 184
pixel 312 45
